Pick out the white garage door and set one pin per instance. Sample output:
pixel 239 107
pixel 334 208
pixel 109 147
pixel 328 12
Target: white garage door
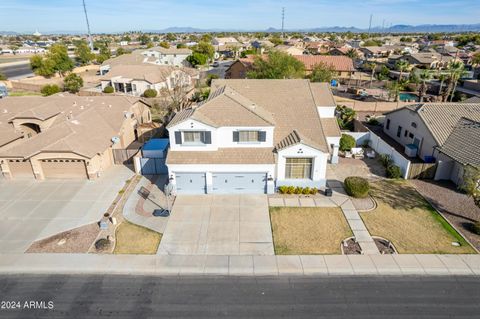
pixel 64 168
pixel 20 168
pixel 190 183
pixel 243 183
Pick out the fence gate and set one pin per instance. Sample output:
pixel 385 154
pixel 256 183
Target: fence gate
pixel 124 156
pixel 153 166
pixel 422 170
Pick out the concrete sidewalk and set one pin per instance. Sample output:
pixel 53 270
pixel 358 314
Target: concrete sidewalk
pixel 328 265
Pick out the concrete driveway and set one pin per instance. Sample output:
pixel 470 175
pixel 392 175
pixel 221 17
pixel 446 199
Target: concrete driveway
pixel 31 210
pixel 218 225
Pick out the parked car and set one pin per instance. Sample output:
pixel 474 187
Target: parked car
pixel 215 64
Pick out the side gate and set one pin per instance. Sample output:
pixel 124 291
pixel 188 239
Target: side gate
pixel 153 166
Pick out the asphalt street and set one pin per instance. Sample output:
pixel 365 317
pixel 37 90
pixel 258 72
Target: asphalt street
pixel 16 71
pixel 61 296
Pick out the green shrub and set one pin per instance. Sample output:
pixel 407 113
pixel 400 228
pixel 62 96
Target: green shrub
pixel 393 171
pixel 357 187
pixel 149 93
pixel 347 142
pixel 73 83
pixel 50 89
pixel 306 191
pixel 313 191
pixel 282 189
pixel 298 190
pixel 290 190
pixel 386 160
pixel 108 89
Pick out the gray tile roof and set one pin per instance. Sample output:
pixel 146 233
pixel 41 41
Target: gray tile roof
pixel 463 145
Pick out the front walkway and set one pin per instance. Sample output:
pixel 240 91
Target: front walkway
pixel 218 225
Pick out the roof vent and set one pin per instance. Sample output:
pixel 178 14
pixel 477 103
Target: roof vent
pixel 5 111
pixel 76 122
pixel 82 107
pixel 109 105
pixel 115 140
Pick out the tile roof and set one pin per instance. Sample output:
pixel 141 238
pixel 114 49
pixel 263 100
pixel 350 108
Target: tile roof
pixel 91 123
pixel 441 118
pixel 463 143
pixel 330 127
pixel 293 138
pixel 223 156
pixel 338 62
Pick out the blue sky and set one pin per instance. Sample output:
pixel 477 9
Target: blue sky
pixel 124 15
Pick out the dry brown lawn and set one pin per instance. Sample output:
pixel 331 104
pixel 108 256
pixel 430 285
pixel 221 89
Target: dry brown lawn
pixel 308 230
pixel 406 219
pixel 134 239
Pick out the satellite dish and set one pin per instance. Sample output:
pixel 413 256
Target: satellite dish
pixel 115 140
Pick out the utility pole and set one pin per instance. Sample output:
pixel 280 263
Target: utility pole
pixel 90 42
pixel 370 24
pixel 283 22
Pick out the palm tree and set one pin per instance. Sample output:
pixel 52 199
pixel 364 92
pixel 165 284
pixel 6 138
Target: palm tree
pixel 393 90
pixel 424 76
pixel 442 77
pixel 402 66
pixel 457 70
pixel 352 54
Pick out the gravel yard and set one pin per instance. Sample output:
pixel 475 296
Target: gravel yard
pixel 457 207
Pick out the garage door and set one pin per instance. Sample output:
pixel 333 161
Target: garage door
pixel 245 183
pixel 20 168
pixel 190 183
pixel 64 168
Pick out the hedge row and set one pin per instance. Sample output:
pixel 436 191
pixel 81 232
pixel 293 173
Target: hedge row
pixel 297 190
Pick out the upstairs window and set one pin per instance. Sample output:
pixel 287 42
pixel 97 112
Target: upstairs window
pixel 249 136
pixel 193 137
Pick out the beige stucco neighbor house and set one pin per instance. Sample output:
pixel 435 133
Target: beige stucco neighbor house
pixel 66 136
pixel 251 136
pixel 445 132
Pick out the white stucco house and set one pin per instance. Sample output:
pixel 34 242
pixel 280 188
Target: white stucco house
pixel 252 136
pixel 445 133
pixel 135 79
pixel 170 56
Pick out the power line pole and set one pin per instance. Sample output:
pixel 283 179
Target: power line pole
pixel 90 42
pixel 370 24
pixel 283 22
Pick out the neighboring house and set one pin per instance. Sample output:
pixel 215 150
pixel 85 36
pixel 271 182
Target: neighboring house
pixel 170 56
pixel 460 149
pixel 291 50
pixel 425 128
pixel 343 65
pixel 319 47
pixel 428 60
pixel 344 50
pixel 239 68
pixel 251 136
pixel 135 79
pixel 262 45
pixel 379 52
pixel 125 59
pixel 225 41
pixel 66 136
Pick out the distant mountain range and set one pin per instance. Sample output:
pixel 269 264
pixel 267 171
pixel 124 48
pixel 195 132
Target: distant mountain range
pixel 401 28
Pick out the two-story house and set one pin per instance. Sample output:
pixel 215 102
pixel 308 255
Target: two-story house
pixel 169 56
pixel 251 136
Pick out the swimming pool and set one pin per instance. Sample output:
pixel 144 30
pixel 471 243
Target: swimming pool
pixel 408 97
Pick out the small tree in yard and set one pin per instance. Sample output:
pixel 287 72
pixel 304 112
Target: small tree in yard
pixel 150 93
pixel 347 142
pixel 471 183
pixel 393 171
pixel 322 72
pixel 2 77
pixel 73 83
pixel 278 65
pixel 108 89
pixel 50 89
